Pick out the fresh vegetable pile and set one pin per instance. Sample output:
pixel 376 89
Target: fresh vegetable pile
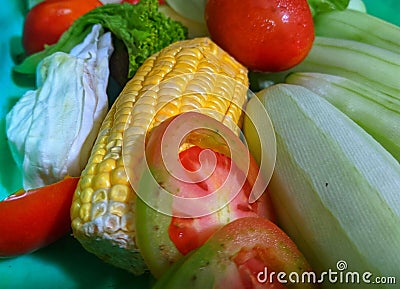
pixel 211 143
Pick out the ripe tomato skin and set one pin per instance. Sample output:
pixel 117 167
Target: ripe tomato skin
pixel 48 20
pixel 266 36
pixel 34 219
pixel 243 254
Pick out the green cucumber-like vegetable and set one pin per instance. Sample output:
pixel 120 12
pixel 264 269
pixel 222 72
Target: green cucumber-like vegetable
pixel 155 245
pixel 376 112
pixel 358 26
pixel 358 61
pixel 258 130
pixel 335 189
pixel 195 29
pixel 191 9
pixel 355 60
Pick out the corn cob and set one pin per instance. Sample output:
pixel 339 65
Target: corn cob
pixel 187 75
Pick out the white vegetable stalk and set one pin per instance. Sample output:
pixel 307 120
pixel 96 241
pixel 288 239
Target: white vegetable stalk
pixel 376 112
pixel 335 189
pixel 51 130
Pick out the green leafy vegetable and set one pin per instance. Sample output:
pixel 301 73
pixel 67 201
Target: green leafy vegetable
pixel 319 6
pixel 141 27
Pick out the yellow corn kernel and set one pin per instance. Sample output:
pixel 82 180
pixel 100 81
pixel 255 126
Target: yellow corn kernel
pixel 187 75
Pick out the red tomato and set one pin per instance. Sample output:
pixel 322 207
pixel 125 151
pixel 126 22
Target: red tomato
pixel 34 219
pixel 263 35
pixel 47 21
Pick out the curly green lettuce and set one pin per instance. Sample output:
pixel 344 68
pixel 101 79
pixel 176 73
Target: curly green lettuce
pixel 141 27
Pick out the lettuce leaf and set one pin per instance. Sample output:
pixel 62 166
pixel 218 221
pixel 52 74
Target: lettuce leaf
pixel 320 6
pixel 141 27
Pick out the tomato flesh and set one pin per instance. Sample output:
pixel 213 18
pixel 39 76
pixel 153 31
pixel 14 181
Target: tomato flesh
pixel 190 233
pixel 206 167
pixel 47 21
pixel 223 181
pixel 250 264
pixel 34 219
pixel 263 35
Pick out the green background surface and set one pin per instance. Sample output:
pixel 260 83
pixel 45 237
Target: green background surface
pixel 65 264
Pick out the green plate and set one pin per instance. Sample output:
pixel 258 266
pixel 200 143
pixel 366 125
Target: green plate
pixel 65 264
pixel 386 9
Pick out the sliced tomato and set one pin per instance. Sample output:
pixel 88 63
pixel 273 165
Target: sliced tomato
pixel 30 220
pixel 47 21
pixel 190 233
pixel 247 253
pixel 165 236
